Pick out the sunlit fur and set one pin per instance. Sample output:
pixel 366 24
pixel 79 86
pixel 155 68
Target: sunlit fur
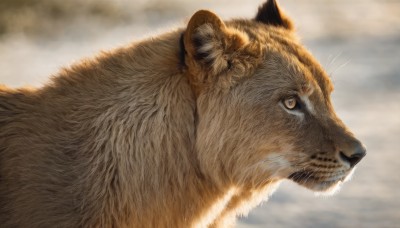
pixel 139 137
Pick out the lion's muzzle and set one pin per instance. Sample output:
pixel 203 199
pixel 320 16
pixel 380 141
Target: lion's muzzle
pixel 353 154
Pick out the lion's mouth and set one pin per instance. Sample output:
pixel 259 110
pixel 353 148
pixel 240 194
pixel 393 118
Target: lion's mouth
pixel 313 181
pixel 303 177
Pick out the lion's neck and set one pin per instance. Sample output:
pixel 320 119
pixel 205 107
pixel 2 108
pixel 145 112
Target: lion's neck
pixel 140 139
pixel 139 134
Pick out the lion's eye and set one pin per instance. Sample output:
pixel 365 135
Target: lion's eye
pixel 290 103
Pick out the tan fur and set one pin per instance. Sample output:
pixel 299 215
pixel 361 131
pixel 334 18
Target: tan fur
pixel 135 138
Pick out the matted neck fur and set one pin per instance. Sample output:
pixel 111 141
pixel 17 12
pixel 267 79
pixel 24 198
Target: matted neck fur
pixel 187 129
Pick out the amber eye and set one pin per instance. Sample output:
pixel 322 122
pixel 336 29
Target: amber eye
pixel 290 103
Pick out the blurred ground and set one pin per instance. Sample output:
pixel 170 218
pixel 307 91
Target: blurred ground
pixel 358 41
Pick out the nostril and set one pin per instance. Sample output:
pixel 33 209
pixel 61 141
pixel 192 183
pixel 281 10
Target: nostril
pixel 354 158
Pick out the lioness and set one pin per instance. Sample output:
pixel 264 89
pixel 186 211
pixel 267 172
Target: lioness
pixel 187 129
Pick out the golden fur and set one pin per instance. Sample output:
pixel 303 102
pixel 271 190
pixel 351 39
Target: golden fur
pixel 167 134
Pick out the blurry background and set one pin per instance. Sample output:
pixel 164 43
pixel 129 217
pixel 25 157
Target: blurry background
pixel 358 42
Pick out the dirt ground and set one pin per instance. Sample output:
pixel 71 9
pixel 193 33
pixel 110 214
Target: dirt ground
pixel 358 42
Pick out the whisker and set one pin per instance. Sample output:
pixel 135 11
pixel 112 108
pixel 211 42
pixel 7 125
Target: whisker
pixel 339 67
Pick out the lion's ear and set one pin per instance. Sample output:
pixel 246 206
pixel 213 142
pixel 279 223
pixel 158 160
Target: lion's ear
pixel 271 14
pixel 208 42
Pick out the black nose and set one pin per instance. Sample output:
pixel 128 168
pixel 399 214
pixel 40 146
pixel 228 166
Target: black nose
pixel 353 156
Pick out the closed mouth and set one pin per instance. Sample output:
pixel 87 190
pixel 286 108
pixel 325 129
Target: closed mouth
pixel 310 180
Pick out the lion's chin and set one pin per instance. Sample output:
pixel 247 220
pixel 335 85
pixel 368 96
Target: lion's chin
pixel 324 187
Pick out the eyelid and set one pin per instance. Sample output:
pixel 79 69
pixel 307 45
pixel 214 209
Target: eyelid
pixel 291 96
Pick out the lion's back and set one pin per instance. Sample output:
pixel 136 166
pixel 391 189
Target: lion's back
pixel 25 165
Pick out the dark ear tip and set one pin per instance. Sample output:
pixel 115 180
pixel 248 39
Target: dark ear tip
pixel 270 13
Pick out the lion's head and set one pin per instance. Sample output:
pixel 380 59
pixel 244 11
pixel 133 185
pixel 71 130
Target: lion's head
pixel 263 104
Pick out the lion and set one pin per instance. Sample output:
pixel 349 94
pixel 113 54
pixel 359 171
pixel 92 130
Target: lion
pixel 191 128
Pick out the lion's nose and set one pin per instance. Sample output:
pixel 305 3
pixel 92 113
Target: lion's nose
pixel 353 154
